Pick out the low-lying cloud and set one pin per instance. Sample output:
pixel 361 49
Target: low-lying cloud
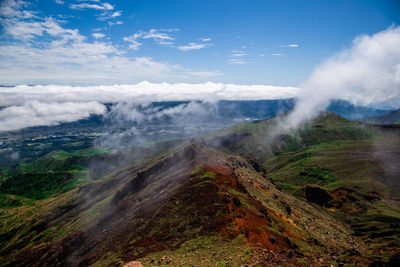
pixel 35 113
pixel 40 105
pixel 143 92
pixel 123 112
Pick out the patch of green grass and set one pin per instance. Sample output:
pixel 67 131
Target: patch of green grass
pixel 203 251
pixel 197 170
pixel 57 172
pixel 210 175
pixel 287 187
pixel 221 263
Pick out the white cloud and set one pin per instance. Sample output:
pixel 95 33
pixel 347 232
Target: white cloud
pixel 277 54
pixel 143 92
pixel 12 9
pixel 107 6
pixel 27 30
pixel 107 9
pixel 133 43
pixel 24 30
pixel 102 6
pixel 40 105
pixel 238 57
pixel 237 61
pixel 66 56
pixel 106 15
pixel 111 23
pixel 60 2
pixel 83 63
pixel 116 14
pixel 236 53
pixel 290 45
pixel 193 46
pixel 159 36
pixel 98 35
pixel 35 113
pixel 180 114
pixel 366 73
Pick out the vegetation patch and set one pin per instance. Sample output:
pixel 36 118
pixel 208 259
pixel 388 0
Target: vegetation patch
pixel 210 175
pixel 57 172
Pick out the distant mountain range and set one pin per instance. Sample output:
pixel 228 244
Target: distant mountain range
pixel 388 118
pixel 352 112
pixel 211 117
pixel 263 109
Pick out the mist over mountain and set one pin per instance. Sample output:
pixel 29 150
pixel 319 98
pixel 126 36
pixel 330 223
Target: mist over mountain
pixel 222 112
pixel 125 124
pixel 226 190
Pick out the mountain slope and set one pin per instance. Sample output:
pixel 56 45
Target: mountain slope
pixel 324 194
pixel 195 191
pixel 348 168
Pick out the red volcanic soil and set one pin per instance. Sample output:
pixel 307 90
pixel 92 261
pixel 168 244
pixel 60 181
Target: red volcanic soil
pixel 252 222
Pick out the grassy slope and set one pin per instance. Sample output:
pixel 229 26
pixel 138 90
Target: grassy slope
pixel 107 212
pixel 339 156
pixel 57 172
pixel 26 222
pixel 60 171
pixel 186 199
pixel 348 167
pixel 247 216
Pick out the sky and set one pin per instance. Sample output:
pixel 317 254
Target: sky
pixel 106 42
pixel 63 60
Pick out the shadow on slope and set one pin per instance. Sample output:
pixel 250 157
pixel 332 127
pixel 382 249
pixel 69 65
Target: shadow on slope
pixel 164 202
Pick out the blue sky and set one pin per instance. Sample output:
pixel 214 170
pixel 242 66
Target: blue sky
pixel 93 42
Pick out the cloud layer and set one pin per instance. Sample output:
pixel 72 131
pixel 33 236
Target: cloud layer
pixel 143 92
pixel 35 113
pixel 40 105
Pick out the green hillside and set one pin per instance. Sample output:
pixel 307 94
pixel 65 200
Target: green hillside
pixel 325 194
pixel 57 172
pixel 352 167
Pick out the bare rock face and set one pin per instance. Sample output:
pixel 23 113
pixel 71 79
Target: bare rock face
pixel 317 195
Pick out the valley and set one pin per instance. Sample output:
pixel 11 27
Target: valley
pixel 325 194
